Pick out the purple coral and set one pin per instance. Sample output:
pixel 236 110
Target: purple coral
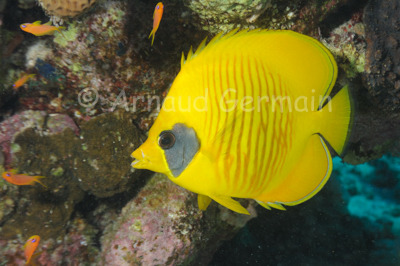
pixel 167 227
pixel 16 124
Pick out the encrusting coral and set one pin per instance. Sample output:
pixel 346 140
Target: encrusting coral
pixel 68 8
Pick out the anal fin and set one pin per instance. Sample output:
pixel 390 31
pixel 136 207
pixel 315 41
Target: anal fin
pixel 265 205
pixel 307 177
pixel 230 203
pixel 268 205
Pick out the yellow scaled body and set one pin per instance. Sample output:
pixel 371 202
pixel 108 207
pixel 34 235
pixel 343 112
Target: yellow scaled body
pixel 258 103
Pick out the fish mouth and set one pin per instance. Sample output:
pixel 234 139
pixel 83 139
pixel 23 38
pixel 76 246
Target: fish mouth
pixel 140 162
pixel 150 157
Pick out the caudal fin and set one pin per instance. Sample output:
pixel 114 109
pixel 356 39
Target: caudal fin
pixel 152 39
pixel 336 119
pixel 59 29
pixel 38 181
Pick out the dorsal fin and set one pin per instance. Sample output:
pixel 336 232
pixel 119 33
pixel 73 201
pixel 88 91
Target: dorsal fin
pixel 190 54
pixel 182 59
pixel 202 46
pixel 37 23
pixel 215 39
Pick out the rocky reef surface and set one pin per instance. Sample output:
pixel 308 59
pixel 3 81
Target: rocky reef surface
pixel 97 90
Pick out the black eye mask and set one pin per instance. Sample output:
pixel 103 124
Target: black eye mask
pixel 180 145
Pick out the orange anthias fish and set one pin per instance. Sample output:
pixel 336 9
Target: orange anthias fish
pixel 22 80
pixel 21 179
pixel 37 29
pixel 158 12
pixel 30 247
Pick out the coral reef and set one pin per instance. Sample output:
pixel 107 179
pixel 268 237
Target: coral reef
pixel 347 43
pixel 16 124
pixel 77 247
pixel 103 166
pixel 26 4
pixel 382 70
pixel 216 16
pixel 50 209
pixel 302 16
pixel 167 228
pixel 93 57
pixel 358 44
pixel 9 196
pixel 39 50
pixel 97 161
pixel 357 210
pixel 97 90
pixel 62 8
pixel 372 191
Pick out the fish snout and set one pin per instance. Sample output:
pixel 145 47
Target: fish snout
pixel 141 161
pixel 151 157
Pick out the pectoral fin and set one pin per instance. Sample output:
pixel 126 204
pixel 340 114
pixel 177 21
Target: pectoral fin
pixel 203 201
pixel 230 204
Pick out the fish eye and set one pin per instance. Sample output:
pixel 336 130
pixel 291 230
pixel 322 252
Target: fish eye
pixel 166 140
pixel 34 240
pixel 8 174
pixel 23 26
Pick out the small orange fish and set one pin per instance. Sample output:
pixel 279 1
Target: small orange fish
pixel 21 179
pixel 158 11
pixel 37 29
pixel 30 247
pixel 22 80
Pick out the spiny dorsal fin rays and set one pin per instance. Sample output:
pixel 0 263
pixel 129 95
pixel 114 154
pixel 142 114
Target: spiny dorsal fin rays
pixel 213 41
pixel 190 54
pixel 182 59
pixel 201 45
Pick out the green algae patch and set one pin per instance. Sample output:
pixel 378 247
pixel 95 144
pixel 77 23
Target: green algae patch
pixel 68 35
pixel 59 171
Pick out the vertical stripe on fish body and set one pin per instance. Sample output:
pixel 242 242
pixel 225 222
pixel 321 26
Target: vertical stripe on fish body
pixel 247 113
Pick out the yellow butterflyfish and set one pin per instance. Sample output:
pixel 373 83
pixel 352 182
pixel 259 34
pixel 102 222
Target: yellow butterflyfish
pixel 249 116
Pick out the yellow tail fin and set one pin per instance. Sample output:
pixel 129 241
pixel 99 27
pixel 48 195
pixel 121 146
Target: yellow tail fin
pixel 38 181
pixel 152 33
pixel 336 119
pixel 59 30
